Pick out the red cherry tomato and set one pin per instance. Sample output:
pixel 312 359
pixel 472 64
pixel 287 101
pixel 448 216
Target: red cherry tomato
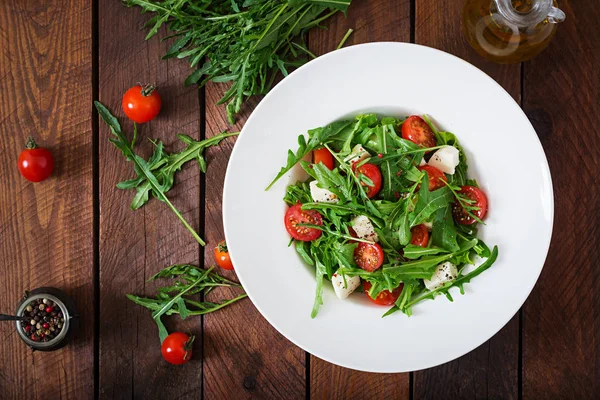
pixel 436 177
pixel 385 297
pixel 35 163
pixel 415 129
pixel 296 215
pixel 177 348
pixel 420 235
pixel 323 156
pixel 368 256
pixel 141 104
pixel 222 256
pixel 479 200
pixel 372 172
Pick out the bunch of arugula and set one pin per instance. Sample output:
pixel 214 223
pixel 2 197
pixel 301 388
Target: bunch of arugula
pixel 156 176
pixel 176 299
pixel 404 202
pixel 244 42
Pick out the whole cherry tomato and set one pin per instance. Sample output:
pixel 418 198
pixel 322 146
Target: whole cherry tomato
pixel 177 348
pixel 222 256
pixel 141 104
pixel 35 163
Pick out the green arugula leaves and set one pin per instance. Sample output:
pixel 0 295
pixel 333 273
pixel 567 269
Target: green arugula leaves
pixel 241 42
pixel 404 202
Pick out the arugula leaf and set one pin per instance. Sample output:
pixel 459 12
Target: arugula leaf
pixel 193 280
pixel 330 180
pixel 429 202
pixel 317 137
pixel 320 271
pixel 141 167
pixel 413 252
pixel 443 233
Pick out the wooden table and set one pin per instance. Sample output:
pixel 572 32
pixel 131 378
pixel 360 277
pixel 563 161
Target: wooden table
pixel 75 231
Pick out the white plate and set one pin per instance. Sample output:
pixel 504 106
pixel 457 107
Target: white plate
pixel 504 154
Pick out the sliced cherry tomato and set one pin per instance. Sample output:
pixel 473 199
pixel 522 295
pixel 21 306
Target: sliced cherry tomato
pixel 415 129
pixel 436 177
pixel 323 156
pixel 177 348
pixel 35 163
pixel 141 104
pixel 420 235
pixel 222 256
pixel 368 256
pixel 479 200
pixel 385 297
pixel 296 215
pixel 372 172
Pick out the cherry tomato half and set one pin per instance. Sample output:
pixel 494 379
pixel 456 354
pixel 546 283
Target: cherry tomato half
pixel 323 156
pixel 420 235
pixel 222 256
pixel 296 215
pixel 368 256
pixel 372 172
pixel 415 129
pixel 385 297
pixel 479 200
pixel 177 348
pixel 141 104
pixel 35 163
pixel 436 177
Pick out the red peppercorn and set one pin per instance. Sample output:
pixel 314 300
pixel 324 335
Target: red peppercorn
pixel 27 328
pixel 34 338
pixel 42 335
pixel 46 325
pixel 49 309
pixel 380 155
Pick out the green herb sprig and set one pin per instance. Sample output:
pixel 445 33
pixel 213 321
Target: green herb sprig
pixel 176 299
pixel 245 42
pixel 157 175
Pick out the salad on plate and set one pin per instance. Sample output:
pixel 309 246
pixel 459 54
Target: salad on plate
pixel 389 207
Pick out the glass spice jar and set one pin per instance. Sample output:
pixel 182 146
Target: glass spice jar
pixel 49 311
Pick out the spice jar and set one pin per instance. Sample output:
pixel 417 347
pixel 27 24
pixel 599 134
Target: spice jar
pixel 49 317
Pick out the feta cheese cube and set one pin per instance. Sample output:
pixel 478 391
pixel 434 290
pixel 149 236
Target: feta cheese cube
pixel 445 272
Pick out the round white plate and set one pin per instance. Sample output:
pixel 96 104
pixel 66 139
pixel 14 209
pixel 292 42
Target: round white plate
pixel 504 154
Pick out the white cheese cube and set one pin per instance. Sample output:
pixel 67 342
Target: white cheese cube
pixel 357 155
pixel 364 228
pixel 322 195
pixel 342 290
pixel 445 159
pixel 445 272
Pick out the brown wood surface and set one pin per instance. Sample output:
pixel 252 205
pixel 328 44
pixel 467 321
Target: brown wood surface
pixel 491 370
pixel 46 235
pixel 134 245
pixel 561 321
pixel 371 20
pixel 54 59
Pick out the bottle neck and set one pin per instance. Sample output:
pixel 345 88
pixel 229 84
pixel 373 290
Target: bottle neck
pixel 524 13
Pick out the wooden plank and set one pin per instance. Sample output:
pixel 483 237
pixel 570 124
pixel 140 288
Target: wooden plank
pixel 244 355
pixel 46 229
pixel 561 320
pixel 492 369
pixel 136 244
pixel 372 20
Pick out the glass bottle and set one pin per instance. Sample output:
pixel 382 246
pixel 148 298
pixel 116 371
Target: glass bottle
pixel 510 31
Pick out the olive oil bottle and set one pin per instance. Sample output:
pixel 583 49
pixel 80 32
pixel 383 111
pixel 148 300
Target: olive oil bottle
pixel 510 31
